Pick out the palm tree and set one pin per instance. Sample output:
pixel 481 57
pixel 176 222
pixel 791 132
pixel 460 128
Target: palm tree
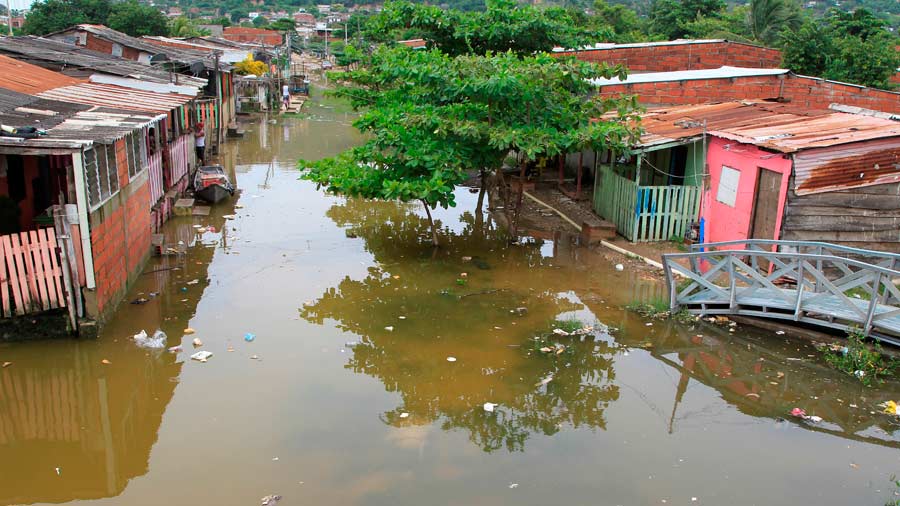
pixel 768 18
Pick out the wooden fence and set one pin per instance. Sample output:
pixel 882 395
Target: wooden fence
pixel 645 213
pixel 30 273
pixel 180 153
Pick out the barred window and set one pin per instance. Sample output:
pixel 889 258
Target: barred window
pixel 100 173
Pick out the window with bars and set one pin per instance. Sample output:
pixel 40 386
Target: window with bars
pixel 100 173
pixel 136 150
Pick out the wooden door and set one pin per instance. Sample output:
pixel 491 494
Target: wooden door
pixel 765 210
pixel 765 205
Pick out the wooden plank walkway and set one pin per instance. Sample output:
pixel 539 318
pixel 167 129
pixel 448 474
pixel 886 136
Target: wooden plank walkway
pixel 833 286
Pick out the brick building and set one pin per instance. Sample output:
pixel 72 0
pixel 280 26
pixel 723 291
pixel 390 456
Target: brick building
pixel 677 55
pixel 252 35
pixel 102 155
pixel 735 83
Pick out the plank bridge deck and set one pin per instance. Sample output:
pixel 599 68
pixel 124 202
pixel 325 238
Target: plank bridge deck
pixel 810 282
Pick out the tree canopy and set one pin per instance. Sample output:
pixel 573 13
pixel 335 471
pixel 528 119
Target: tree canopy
pixel 504 25
pixel 137 19
pixel 50 16
pixel 853 47
pixel 432 117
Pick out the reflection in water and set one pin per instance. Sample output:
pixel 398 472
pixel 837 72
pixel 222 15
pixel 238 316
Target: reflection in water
pixel 72 427
pixel 411 313
pixel 86 419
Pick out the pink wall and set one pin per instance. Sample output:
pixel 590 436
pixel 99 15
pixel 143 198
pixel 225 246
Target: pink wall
pixel 721 221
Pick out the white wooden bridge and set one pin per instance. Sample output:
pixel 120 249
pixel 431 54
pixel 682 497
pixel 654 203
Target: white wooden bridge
pixel 810 282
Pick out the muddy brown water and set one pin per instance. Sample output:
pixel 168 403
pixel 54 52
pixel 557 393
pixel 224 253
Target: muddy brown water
pixel 351 399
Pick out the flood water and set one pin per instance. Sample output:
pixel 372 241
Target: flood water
pixel 350 399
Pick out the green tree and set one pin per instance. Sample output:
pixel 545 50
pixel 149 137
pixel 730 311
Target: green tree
pixel 184 27
pixel 137 19
pixel 283 25
pixel 669 18
pixel 625 24
pixel 432 119
pixel 504 25
pixel 260 22
pixel 851 47
pixel 54 15
pixel 767 19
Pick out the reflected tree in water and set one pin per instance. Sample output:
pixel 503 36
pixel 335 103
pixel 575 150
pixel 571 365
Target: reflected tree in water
pixel 496 358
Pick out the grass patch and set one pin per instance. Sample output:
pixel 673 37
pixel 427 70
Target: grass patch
pixel 857 359
pixel 895 484
pixel 570 325
pixel 658 309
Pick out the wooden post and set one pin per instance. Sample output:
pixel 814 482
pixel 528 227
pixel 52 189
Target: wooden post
pixel 64 238
pixel 562 161
pixel 578 177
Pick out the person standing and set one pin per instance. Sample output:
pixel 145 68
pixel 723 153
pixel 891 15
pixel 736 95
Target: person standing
pixel 286 96
pixel 200 143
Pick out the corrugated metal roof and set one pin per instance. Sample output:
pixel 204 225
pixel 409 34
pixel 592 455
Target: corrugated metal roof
pixel 180 55
pixel 107 95
pixel 777 127
pixel 68 125
pixel 30 79
pixel 60 56
pixel 847 166
pixel 724 72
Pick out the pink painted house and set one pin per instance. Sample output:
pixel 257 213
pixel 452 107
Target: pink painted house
pixel 746 194
pixel 766 171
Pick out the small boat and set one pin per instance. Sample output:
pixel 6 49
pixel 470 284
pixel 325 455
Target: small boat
pixel 211 184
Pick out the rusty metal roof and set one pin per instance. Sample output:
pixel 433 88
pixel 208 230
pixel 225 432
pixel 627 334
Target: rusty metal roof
pixel 117 97
pixel 777 127
pixel 847 166
pixel 68 125
pixel 30 79
pixel 62 57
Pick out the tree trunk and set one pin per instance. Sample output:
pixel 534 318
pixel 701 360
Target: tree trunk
pixel 479 209
pixel 515 229
pixel 434 234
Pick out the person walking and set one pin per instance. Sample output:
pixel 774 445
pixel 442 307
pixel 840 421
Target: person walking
pixel 200 143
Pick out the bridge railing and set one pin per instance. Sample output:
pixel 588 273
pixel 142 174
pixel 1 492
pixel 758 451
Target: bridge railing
pixel 832 290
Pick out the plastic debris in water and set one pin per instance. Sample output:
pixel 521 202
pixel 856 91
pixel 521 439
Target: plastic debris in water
pixel 197 342
pixel 157 341
pixel 105 362
pixel 174 349
pixel 513 485
pixel 891 408
pixel 6 364
pixel 201 356
pixel 270 500
pixel 489 407
pixel 389 328
pixel 404 415
pixel 249 337
pixel 620 267
pixel 544 381
pixel 57 471
pixel 798 412
pixel 451 359
pixel 188 331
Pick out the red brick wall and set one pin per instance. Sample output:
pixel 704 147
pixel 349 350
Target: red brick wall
pixel 104 46
pixel 120 236
pixel 673 57
pixel 804 91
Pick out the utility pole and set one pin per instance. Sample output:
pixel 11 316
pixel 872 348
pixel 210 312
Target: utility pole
pixel 9 16
pixel 345 34
pixel 216 54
